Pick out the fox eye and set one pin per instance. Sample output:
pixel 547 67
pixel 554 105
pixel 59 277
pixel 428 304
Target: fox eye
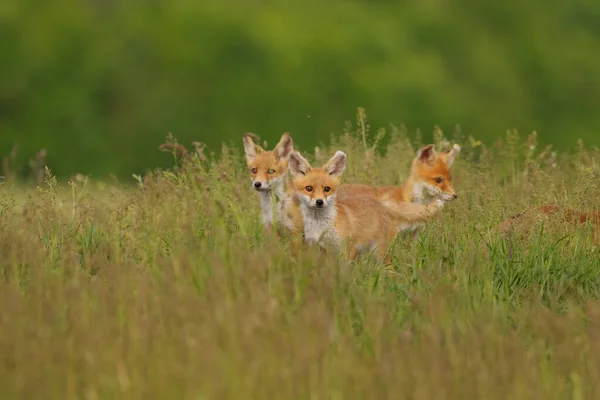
pixel 326 188
pixel 271 171
pixel 439 179
pixel 308 188
pixel 253 170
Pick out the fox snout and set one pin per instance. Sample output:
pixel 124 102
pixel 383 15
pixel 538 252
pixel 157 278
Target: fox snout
pixel 451 193
pixel 442 190
pixel 315 202
pixel 258 185
pixel 449 196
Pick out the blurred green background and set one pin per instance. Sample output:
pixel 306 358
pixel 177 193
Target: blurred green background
pixel 100 83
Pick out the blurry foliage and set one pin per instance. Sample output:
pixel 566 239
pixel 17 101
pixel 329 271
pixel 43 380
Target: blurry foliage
pixel 99 83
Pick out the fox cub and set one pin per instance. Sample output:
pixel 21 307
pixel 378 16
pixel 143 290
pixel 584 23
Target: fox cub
pixel 269 176
pixel 359 223
pixel 430 172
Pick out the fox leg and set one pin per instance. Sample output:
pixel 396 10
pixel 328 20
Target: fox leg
pixel 296 242
pixel 352 254
pixel 349 253
pixel 387 261
pixel 267 227
pixel 270 232
pixel 322 249
pixel 311 243
pixel 388 266
pixel 416 230
pixel 385 247
pixel 414 235
pixel 385 255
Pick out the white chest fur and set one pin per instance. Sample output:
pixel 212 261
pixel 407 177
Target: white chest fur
pixel 267 202
pixel 275 203
pixel 417 193
pixel 319 225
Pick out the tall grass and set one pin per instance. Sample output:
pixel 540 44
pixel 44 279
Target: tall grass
pixel 170 288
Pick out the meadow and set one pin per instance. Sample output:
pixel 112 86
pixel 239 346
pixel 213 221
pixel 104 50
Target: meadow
pixel 170 288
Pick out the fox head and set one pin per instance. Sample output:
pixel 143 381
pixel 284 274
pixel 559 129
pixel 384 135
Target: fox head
pixel 432 171
pixel 267 168
pixel 316 187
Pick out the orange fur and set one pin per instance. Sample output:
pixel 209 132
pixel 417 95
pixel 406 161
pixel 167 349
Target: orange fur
pixel 430 171
pixel 360 222
pixel 427 168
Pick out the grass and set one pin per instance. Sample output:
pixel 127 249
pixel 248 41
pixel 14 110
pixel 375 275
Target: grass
pixel 168 289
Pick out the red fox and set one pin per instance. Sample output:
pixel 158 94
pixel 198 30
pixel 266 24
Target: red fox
pixel 269 174
pixel 361 222
pixel 430 172
pixel 522 223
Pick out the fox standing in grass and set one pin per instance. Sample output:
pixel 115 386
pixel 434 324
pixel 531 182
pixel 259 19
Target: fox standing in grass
pixel 430 172
pixel 269 173
pixel 361 222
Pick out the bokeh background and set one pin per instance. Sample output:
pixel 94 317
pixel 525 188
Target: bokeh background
pixel 100 83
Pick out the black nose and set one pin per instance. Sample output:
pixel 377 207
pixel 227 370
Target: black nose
pixel 257 184
pixel 319 203
pixel 455 196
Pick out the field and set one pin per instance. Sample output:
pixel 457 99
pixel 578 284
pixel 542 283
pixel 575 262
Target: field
pixel 169 288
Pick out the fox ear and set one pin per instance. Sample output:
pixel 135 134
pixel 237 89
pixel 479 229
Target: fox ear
pixel 451 154
pixel 297 164
pixel 284 147
pixel 426 154
pixel 251 148
pixel 336 164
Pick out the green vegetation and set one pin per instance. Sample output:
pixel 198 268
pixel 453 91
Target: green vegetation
pixel 170 289
pixel 100 82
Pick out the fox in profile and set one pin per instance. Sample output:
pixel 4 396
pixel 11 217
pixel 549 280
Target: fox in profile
pixel 359 223
pixel 269 176
pixel 430 172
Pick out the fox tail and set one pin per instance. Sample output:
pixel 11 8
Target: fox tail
pixel 413 212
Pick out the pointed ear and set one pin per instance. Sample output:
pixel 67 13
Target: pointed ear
pixel 451 154
pixel 426 154
pixel 284 147
pixel 336 164
pixel 250 148
pixel 297 164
